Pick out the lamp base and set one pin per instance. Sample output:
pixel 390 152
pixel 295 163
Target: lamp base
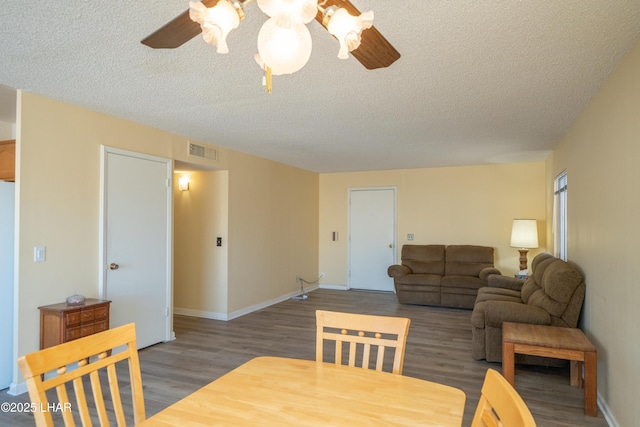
pixel 523 258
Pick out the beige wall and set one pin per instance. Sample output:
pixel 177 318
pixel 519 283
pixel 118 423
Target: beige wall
pixel 461 205
pixel 600 153
pixel 58 187
pixel 273 229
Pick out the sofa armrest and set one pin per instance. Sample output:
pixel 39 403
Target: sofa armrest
pixel 505 282
pixel 496 312
pixel 398 270
pixel 488 271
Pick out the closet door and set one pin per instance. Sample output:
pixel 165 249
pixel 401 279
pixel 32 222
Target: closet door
pixel 137 243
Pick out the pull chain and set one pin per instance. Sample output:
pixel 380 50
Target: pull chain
pixel 267 79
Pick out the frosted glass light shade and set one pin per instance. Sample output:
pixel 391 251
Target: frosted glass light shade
pixel 216 22
pixel 284 50
pixel 289 13
pixel 348 29
pixel 524 234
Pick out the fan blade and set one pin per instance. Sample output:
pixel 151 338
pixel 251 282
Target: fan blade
pixel 374 51
pixel 176 32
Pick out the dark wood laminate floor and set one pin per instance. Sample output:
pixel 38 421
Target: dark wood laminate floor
pixel 438 349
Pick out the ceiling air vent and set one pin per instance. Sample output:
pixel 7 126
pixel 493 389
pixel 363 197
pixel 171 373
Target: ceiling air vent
pixel 204 152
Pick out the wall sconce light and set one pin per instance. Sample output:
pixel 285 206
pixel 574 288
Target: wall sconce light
pixel 524 236
pixel 183 183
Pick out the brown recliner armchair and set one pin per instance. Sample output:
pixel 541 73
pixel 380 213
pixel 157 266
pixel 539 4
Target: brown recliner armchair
pixel 552 295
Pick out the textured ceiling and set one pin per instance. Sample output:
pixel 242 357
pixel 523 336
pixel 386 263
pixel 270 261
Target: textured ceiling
pixel 478 82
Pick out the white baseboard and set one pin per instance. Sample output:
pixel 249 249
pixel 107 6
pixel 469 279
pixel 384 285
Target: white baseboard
pixel 16 389
pixel 268 303
pixel 334 287
pixel 199 313
pixel 606 412
pixel 242 311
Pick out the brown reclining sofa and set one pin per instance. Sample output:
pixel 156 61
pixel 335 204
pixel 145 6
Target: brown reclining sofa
pixel 440 275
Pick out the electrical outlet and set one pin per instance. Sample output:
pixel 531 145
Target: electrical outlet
pixel 410 236
pixel 297 278
pixel 322 274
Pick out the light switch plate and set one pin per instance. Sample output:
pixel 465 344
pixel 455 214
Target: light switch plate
pixel 39 254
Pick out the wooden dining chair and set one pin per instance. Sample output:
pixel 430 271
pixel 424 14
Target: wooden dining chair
pixel 500 405
pixel 362 332
pixel 80 359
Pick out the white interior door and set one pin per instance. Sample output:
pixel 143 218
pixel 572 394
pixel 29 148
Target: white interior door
pixel 7 226
pixel 136 259
pixel 372 222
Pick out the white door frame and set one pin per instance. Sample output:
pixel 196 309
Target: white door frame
pixel 102 241
pixel 395 223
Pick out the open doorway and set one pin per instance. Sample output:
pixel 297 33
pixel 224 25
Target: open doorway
pixel 201 242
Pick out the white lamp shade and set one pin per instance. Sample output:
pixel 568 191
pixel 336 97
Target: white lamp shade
pixel 524 234
pixel 284 50
pixel 216 22
pixel 289 13
pixel 347 29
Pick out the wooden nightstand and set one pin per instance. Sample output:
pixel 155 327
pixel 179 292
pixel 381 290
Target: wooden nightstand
pixel 64 322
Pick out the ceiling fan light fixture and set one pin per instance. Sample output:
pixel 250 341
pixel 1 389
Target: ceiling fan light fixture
pixel 346 28
pixel 216 22
pixel 284 50
pixel 289 13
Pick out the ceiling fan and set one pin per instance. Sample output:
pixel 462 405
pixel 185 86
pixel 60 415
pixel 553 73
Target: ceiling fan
pixel 373 52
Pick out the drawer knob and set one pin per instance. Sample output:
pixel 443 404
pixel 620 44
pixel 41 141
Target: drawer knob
pixel 113 266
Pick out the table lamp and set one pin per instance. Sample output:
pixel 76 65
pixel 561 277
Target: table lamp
pixel 524 236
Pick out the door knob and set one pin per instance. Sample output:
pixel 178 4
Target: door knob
pixel 391 245
pixel 113 266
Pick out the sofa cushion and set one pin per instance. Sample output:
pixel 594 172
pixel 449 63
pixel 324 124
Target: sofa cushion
pixel 498 294
pixel 530 286
pixel 467 260
pixel 420 280
pixel 497 312
pixel 424 259
pixel 560 281
pixel 450 283
pixel 553 283
pixel 541 267
pixel 551 306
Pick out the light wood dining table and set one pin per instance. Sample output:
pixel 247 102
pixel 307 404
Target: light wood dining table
pixel 275 391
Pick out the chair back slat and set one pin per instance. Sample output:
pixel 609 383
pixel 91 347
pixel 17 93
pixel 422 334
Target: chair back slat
pixel 81 402
pixel 96 388
pixel 366 355
pixel 63 398
pixel 490 419
pixel 500 405
pixel 352 354
pixel 88 358
pixel 115 395
pixel 380 359
pixel 363 333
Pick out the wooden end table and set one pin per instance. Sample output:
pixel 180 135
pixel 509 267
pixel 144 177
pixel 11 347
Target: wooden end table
pixel 557 342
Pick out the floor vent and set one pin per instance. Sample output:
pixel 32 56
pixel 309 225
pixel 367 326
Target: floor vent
pixel 204 152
